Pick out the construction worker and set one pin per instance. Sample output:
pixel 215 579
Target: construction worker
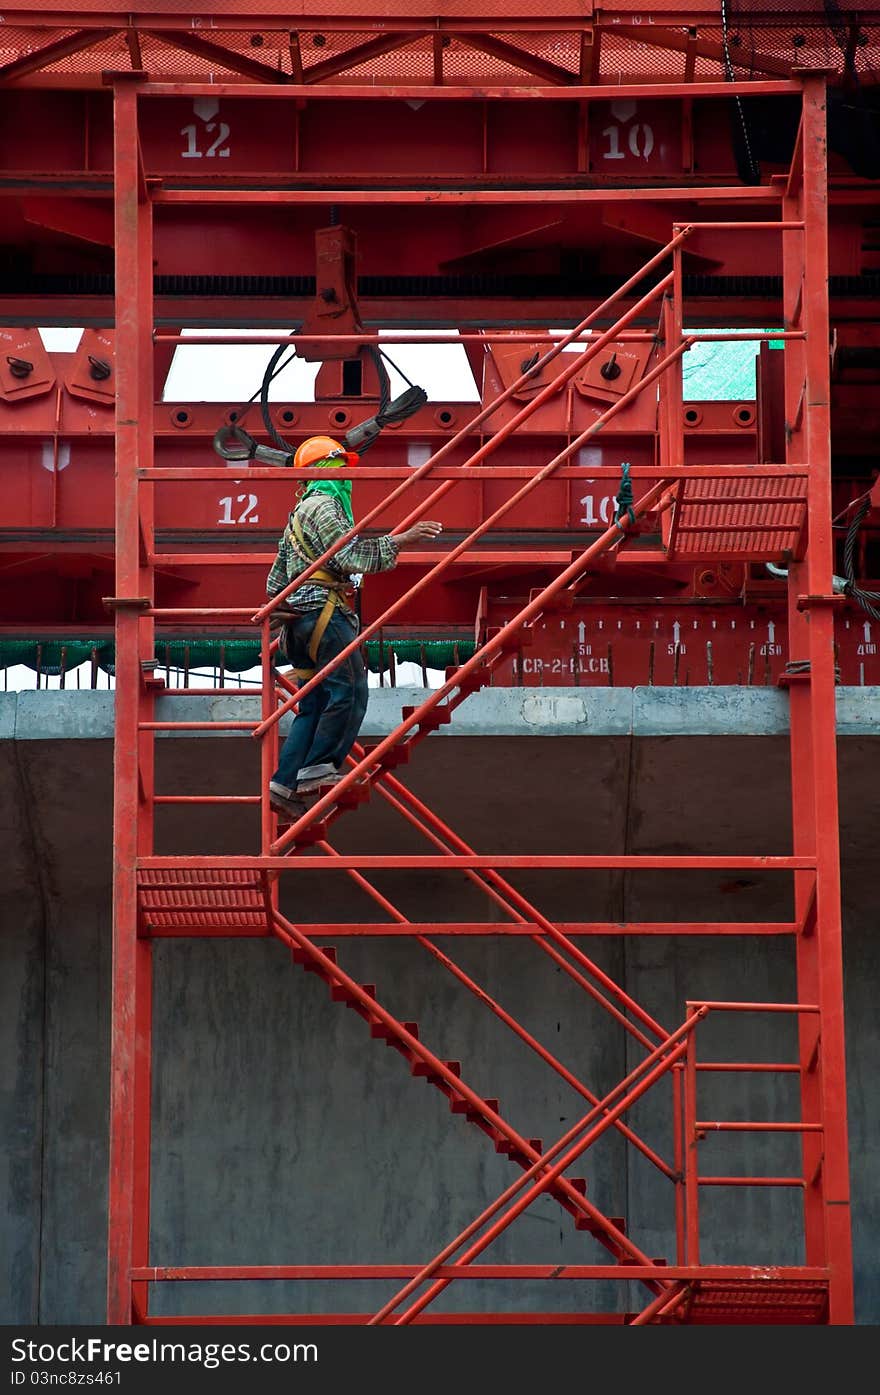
pixel 320 622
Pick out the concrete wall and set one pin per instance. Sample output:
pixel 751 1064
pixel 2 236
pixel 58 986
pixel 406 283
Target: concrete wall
pixel 282 1133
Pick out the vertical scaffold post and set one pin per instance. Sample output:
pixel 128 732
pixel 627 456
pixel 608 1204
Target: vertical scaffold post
pixel 813 720
pixel 129 1185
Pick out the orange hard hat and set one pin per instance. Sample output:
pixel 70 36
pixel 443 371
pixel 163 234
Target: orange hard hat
pixel 318 448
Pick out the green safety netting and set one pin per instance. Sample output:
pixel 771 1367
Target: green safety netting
pixel 51 656
pixel 722 371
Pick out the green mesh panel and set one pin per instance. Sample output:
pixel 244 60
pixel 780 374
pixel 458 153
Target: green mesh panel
pixel 235 655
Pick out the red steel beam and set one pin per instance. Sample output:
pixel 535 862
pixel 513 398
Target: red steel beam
pixel 128 1202
pixel 822 958
pixel 503 196
pixel 52 53
pixel 517 57
pixel 360 53
pixel 460 862
pixel 507 1319
pixel 389 929
pixel 222 1273
pixel 680 41
pixel 488 91
pixel 217 53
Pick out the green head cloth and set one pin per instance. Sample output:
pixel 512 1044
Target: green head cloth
pixel 339 489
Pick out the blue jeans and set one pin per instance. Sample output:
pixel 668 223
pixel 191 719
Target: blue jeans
pixel 329 717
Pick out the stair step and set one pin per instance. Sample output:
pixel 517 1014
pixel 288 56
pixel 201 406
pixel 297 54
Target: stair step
pixel 437 717
pixel 315 833
pixel 396 755
pixel 422 1068
pixel 315 966
pixel 585 1223
pixel 356 794
pixel 341 994
pixel 515 1153
pixel 473 682
pixel 537 1144
pixel 494 1134
pixel 472 1114
pixel 462 1106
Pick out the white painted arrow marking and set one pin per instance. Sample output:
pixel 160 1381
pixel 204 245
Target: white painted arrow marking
pixel 206 108
pixel 623 110
pixel 48 456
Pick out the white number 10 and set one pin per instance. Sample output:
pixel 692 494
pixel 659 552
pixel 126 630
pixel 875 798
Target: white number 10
pixel 640 139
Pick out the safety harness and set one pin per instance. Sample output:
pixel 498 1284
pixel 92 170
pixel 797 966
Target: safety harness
pixel 335 586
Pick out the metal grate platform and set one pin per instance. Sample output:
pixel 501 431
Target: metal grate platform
pixel 740 518
pixel 774 1302
pixel 224 900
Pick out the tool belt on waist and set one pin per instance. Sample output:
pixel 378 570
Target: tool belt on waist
pixel 336 588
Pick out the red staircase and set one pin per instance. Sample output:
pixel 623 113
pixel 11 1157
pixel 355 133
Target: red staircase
pixel 702 512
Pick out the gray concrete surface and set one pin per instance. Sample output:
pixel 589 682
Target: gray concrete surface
pixel 281 1132
pixel 49 715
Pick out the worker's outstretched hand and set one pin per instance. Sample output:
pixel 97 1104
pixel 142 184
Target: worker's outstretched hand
pixel 425 528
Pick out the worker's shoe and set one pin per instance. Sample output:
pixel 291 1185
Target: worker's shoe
pixel 285 802
pixel 316 779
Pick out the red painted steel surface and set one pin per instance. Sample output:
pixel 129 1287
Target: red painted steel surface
pixel 105 176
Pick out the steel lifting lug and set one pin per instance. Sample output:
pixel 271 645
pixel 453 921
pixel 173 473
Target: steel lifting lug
pixel 610 369
pixel 99 369
pixel 19 367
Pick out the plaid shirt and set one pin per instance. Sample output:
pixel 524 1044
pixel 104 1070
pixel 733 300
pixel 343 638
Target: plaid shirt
pixel 323 523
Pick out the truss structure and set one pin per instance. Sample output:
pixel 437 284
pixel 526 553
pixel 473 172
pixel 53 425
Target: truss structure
pixel 708 512
pixel 502 42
